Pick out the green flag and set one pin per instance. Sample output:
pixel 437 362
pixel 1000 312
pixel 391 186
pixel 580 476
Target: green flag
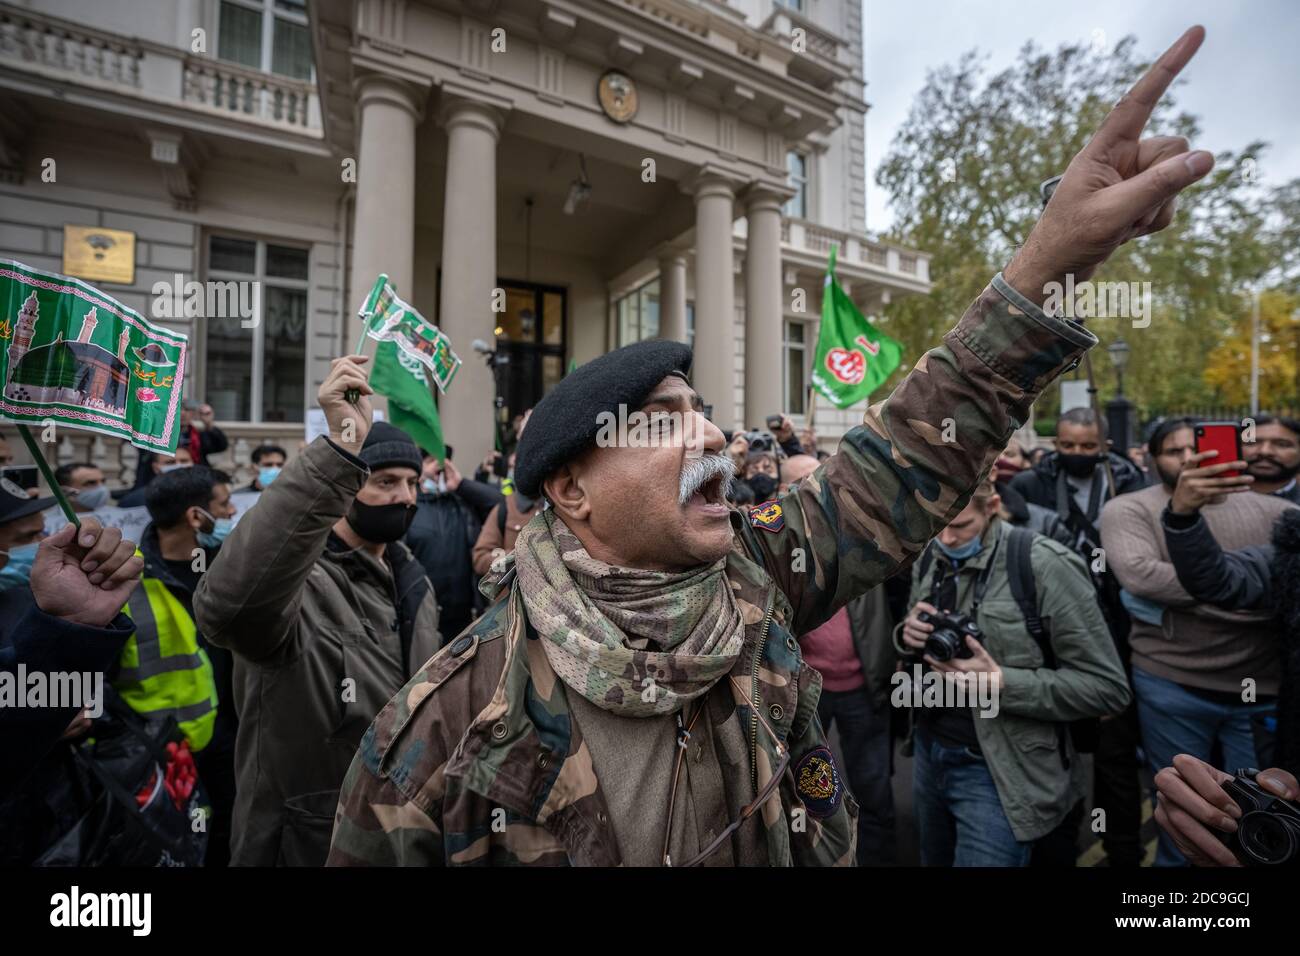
pixel 853 357
pixel 388 318
pixel 411 350
pixel 410 401
pixel 72 354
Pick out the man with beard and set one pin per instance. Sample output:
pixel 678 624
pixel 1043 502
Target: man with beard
pixel 635 694
pixel 327 614
pixel 1273 458
pixel 1191 660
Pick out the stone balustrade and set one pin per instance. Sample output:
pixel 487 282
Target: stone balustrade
pixel 61 51
pixel 855 248
pixel 251 94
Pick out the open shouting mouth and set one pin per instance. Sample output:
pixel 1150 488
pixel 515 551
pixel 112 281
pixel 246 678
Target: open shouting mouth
pixel 705 482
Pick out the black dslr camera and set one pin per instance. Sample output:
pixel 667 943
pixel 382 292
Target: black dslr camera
pixel 948 639
pixel 1268 833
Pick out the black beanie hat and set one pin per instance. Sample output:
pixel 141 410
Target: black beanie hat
pixel 565 423
pixel 387 446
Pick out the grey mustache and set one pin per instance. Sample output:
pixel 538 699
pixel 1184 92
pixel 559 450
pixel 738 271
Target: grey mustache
pixel 696 472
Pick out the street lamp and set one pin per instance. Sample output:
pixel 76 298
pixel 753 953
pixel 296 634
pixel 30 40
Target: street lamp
pixel 1119 410
pixel 1118 352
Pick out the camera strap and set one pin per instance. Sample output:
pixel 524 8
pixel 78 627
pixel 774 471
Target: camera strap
pixel 947 568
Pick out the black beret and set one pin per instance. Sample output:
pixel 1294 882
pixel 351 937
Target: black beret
pixel 565 423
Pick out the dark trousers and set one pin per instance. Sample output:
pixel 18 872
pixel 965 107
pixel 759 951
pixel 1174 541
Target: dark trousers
pixel 1061 846
pixel 1117 787
pixel 216 767
pixel 864 741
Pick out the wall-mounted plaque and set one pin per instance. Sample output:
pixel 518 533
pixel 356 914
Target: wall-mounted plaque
pixel 98 254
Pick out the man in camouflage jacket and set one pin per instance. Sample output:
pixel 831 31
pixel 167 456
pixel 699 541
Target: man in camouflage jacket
pixel 479 760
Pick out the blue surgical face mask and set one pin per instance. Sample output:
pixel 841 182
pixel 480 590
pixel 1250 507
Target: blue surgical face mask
pixel 93 498
pixel 17 572
pixel 963 551
pixel 221 528
pixel 267 475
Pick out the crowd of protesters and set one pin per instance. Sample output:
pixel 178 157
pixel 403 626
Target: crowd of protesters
pixel 601 654
pixel 1156 593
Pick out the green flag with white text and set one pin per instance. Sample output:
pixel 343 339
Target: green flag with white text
pixel 411 351
pixel 853 356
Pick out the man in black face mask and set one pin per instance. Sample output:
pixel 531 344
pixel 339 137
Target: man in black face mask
pixel 1072 482
pixel 327 614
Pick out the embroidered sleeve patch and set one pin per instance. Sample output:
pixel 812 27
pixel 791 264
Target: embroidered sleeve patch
pixel 817 780
pixel 767 516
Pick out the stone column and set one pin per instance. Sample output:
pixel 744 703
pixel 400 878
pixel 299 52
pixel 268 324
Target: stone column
pixel 383 233
pixel 713 370
pixel 764 355
pixel 469 271
pixel 672 296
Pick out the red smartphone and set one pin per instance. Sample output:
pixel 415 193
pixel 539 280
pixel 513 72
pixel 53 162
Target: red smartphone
pixel 1223 437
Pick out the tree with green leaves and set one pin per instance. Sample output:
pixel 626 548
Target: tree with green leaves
pixel 963 176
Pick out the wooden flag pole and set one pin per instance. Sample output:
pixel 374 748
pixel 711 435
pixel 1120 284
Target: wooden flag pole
pixel 44 466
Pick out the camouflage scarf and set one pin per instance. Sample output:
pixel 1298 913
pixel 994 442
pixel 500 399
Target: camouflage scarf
pixel 637 643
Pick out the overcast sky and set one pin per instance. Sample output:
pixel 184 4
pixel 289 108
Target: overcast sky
pixel 1244 84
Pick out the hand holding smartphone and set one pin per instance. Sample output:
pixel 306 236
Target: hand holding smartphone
pixel 1223 437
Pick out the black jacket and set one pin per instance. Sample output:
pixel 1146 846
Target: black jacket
pixel 1046 485
pixel 1255 578
pixel 1038 485
pixel 44 644
pixel 441 538
pixel 1020 513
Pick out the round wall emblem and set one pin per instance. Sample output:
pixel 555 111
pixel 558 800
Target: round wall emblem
pixel 617 94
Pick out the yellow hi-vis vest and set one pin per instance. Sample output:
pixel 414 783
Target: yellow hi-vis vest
pixel 162 669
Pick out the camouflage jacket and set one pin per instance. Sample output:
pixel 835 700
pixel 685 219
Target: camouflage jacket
pixel 478 760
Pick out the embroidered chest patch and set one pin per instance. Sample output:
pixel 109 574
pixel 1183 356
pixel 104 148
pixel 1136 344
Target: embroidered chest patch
pixel 818 781
pixel 767 516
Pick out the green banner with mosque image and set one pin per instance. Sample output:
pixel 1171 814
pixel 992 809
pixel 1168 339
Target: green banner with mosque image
pixel 71 354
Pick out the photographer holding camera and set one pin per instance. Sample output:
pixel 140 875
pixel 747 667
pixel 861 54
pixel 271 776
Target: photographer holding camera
pixel 989 782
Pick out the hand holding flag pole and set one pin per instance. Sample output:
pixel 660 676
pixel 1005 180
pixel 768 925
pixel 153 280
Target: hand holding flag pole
pixel 367 312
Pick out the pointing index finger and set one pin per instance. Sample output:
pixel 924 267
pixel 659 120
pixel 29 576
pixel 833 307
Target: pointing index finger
pixel 1130 114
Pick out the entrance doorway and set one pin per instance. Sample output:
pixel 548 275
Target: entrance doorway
pixel 530 346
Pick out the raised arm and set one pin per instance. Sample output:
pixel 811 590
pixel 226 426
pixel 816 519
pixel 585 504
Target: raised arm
pixel 900 476
pixel 249 599
pixel 1233 580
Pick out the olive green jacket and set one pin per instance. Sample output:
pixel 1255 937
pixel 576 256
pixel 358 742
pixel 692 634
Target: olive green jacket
pixel 1020 741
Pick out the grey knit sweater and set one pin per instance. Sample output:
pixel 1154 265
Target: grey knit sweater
pixel 1196 645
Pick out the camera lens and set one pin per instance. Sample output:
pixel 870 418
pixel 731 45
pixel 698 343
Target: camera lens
pixel 1268 839
pixel 943 644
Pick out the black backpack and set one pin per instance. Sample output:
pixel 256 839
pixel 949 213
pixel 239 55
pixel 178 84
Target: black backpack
pixel 1020 573
pixel 1085 732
